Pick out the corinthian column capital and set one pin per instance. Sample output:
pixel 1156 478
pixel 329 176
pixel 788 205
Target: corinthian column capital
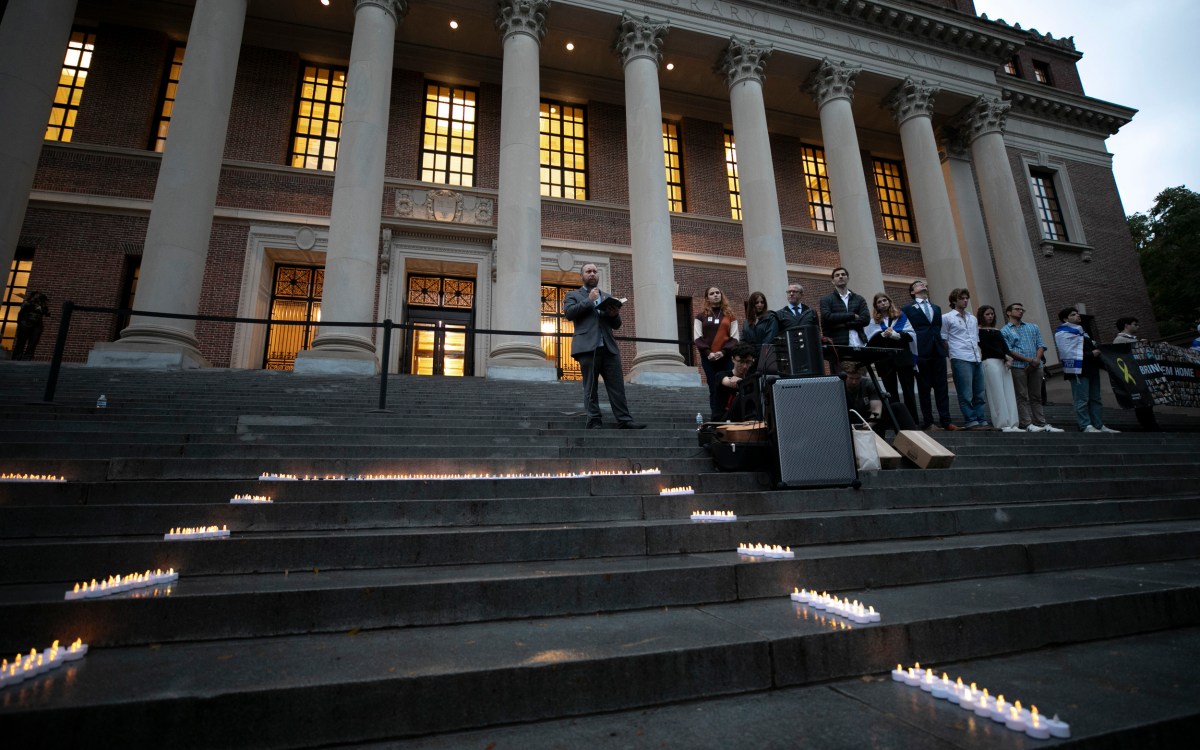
pixel 911 99
pixel 397 9
pixel 982 116
pixel 640 37
pixel 831 81
pixel 743 61
pixel 522 17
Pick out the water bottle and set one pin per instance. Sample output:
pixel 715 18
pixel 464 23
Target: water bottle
pixel 699 419
pixel 101 402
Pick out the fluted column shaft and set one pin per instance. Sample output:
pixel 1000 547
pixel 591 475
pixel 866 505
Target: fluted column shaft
pixel 972 233
pixel 33 41
pixel 639 42
pixel 762 229
pixel 522 23
pixel 912 105
pixel 352 260
pixel 177 236
pixel 1015 266
pixel 832 86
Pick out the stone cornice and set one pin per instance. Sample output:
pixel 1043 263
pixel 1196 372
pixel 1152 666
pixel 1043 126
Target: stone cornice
pixel 640 36
pixel 1064 108
pixel 522 17
pixel 965 33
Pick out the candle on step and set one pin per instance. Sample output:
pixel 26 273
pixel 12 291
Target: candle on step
pixel 898 674
pixel 1037 728
pixel 1057 727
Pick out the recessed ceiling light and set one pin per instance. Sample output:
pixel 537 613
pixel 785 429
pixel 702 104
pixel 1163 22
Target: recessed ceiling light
pixel 570 46
pixel 325 3
pixel 670 66
pixel 454 24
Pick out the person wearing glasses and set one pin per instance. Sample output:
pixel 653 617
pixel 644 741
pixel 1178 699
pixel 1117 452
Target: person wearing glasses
pixel 1025 346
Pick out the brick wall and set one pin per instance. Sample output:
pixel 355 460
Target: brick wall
pixel 608 169
pixel 124 83
pixel 264 106
pixel 404 125
pixel 220 289
pixel 705 189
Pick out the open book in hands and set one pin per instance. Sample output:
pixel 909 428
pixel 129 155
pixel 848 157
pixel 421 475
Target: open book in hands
pixel 612 303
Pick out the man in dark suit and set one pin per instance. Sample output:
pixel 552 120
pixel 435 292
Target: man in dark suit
pixel 595 348
pixel 794 314
pixel 844 314
pixel 926 320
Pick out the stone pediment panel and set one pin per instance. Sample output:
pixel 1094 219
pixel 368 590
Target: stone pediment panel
pixel 442 206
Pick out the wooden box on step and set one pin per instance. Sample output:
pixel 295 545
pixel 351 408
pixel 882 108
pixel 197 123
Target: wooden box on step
pixel 923 450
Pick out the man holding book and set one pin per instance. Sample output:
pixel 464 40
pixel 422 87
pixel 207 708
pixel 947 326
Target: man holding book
pixel 596 315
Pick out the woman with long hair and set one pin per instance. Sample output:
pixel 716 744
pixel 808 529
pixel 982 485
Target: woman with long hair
pixel 761 324
pixel 890 329
pixel 997 383
pixel 716 333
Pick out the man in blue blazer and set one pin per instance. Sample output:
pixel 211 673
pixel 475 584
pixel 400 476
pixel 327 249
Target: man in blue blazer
pixel 595 348
pixel 926 319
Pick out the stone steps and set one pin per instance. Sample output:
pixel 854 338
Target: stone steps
pixel 325 688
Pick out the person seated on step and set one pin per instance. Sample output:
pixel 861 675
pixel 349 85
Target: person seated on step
pixel 862 397
pixel 733 405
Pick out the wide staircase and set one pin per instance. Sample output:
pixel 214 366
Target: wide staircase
pixel 520 582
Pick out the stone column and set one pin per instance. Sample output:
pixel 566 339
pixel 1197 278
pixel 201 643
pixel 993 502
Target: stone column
pixel 832 88
pixel 352 260
pixel 911 104
pixel 185 195
pixel 522 24
pixel 639 43
pixel 762 231
pixel 972 234
pixel 33 42
pixel 982 125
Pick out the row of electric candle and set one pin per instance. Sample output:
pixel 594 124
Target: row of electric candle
pixel 119 584
pixel 969 698
pixel 713 515
pixel 677 491
pixel 25 666
pixel 765 550
pixel 273 477
pixel 249 499
pixel 31 478
pixel 855 611
pixel 197 532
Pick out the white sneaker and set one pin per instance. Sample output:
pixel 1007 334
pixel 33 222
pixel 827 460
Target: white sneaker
pixel 1011 429
pixel 1108 429
pixel 1050 428
pixel 1033 428
pixel 1089 428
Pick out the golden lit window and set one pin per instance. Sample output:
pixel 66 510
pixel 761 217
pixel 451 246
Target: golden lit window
pixel 563 151
pixel 70 86
pixel 672 156
pixel 731 174
pixel 816 182
pixel 14 294
pixel 319 118
pixel 1013 67
pixel 448 141
pixel 436 291
pixel 893 201
pixel 1041 72
pixel 167 101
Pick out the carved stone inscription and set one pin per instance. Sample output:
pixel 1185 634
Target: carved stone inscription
pixel 443 205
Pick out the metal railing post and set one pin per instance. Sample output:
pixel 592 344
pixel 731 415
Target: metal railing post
pixel 60 346
pixel 384 365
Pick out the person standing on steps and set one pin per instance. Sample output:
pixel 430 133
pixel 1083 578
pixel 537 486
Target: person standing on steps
pixel 716 333
pixel 844 314
pixel 30 321
pixel 997 382
pixel 960 331
pixel 926 320
pixel 1025 346
pixel 1080 358
pixel 1127 333
pixel 595 348
pixel 761 324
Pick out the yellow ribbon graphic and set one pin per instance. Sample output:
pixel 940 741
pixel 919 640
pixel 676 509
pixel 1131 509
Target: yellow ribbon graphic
pixel 1124 368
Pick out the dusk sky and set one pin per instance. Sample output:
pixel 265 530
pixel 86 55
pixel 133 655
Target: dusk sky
pixel 1140 55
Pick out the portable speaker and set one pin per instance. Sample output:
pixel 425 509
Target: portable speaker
pixel 812 433
pixel 798 352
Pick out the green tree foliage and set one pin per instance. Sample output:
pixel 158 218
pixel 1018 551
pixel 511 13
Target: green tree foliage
pixel 1168 244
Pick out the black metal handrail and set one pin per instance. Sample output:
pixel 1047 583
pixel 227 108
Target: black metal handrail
pixel 69 308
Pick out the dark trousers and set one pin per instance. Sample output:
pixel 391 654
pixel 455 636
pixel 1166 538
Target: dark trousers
pixel 932 375
pixel 899 381
pixel 713 368
pixel 603 364
pixel 27 341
